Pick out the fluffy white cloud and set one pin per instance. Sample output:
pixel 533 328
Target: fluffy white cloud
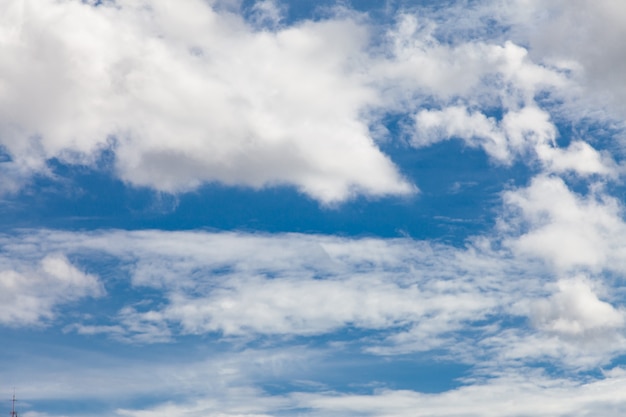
pixel 29 296
pixel 571 325
pixel 469 77
pixel 185 95
pixel 579 319
pixel 475 128
pixel 519 133
pixel 565 229
pixel 410 296
pixel 190 94
pixel 575 310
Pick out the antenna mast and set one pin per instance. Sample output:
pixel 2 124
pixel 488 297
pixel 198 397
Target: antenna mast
pixel 13 412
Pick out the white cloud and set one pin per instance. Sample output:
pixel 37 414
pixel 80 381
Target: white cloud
pixel 267 13
pixel 565 229
pixel 225 379
pixel 571 325
pixel 519 133
pixel 409 295
pixel 575 310
pixel 246 285
pixel 283 284
pixel 464 79
pixel 187 95
pixel 416 296
pixel 579 157
pixel 29 296
pixel 480 72
pixel 505 396
pixel 475 129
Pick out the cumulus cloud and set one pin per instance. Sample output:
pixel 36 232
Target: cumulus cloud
pixel 575 310
pixel 410 295
pixel 465 80
pixel 188 95
pixel 570 324
pixel 566 229
pixel 519 133
pixel 194 94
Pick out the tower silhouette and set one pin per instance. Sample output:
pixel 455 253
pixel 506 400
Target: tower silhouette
pixel 13 412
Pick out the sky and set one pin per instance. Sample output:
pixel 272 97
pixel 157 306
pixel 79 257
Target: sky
pixel 255 208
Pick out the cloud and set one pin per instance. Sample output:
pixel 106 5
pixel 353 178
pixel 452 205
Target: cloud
pixel 450 87
pixel 565 229
pixel 506 396
pixel 519 133
pixel 194 94
pixel 225 379
pixel 408 295
pixel 584 36
pixel 241 285
pixel 526 393
pixel 411 296
pixel 189 95
pixel 476 129
pixel 268 13
pixel 575 310
pixel 570 325
pixel 420 67
pixel 29 296
pixel 495 307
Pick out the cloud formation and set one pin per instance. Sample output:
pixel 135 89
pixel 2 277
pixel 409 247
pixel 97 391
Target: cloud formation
pixel 175 96
pixel 187 95
pixel 29 296
pixel 412 296
pixel 585 36
pixel 195 94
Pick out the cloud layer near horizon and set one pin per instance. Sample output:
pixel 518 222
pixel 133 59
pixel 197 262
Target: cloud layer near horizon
pixel 409 296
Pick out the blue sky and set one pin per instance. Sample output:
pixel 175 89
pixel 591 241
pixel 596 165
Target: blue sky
pixel 240 208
